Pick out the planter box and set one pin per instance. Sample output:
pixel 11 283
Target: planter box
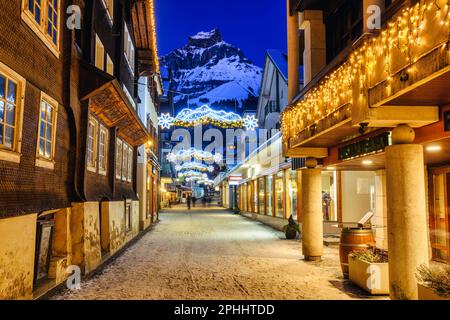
pixel 426 293
pixel 372 277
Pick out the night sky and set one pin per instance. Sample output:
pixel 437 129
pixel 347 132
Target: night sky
pixel 252 25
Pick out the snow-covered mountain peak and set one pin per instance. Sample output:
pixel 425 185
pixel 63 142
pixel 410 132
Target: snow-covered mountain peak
pixel 208 70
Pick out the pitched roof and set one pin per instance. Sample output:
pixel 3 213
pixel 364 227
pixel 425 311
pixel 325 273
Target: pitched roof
pixel 280 60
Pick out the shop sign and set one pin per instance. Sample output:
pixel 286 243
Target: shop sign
pixel 366 146
pixel 234 180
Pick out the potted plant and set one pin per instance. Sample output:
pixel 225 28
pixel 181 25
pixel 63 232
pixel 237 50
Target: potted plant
pixel 369 270
pixel 433 282
pixel 291 229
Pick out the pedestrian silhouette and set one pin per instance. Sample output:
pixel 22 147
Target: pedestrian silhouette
pixel 188 202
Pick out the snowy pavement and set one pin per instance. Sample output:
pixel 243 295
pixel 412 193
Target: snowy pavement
pixel 214 254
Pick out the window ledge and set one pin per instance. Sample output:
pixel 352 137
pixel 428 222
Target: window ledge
pixel 44 163
pixel 35 28
pixel 102 172
pixel 10 156
pixel 92 169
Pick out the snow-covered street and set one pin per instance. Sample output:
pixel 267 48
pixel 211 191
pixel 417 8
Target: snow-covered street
pixel 214 254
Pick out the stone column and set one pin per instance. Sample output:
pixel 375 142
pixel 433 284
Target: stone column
pixel 312 226
pixel 406 211
pixel 293 53
pixel 314 56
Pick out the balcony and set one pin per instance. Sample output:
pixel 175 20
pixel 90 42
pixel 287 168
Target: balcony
pixel 399 75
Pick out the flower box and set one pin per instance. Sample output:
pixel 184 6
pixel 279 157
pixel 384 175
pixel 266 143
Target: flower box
pixel 372 277
pixel 426 293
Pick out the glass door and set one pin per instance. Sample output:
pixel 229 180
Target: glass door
pixel 439 214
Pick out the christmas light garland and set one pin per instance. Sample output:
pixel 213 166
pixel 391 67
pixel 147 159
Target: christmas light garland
pixel 404 39
pixel 188 154
pixel 194 166
pixel 204 115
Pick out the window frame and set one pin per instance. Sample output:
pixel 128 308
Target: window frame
pixel 41 160
pixel 103 168
pixel 129 49
pixel 40 29
pixel 99 45
pixel 93 165
pixel 109 62
pixel 119 151
pixel 109 7
pixel 13 154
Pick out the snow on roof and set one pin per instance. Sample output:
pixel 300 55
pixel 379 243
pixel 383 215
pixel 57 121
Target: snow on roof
pixel 280 60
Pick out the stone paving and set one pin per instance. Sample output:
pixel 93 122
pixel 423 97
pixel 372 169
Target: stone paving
pixel 214 254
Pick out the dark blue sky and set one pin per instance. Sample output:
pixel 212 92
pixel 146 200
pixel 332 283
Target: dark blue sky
pixel 252 25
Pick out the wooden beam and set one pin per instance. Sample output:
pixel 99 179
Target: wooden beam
pixel 307 152
pixel 391 116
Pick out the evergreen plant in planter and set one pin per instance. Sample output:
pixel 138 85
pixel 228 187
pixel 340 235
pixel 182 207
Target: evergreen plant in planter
pixel 369 270
pixel 291 229
pixel 433 283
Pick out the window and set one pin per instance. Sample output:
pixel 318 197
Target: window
pixel 109 5
pixel 269 195
pixel 43 16
pixel 12 89
pixel 103 150
pixel 92 145
pixel 118 158
pixel 8 110
pixel 109 65
pixel 124 161
pixel 99 53
pixel 343 27
pixel 128 216
pixel 128 48
pixel 130 164
pixel 279 194
pixel 47 131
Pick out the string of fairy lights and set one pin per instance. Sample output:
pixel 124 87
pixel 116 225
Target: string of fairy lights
pixel 204 115
pixel 395 49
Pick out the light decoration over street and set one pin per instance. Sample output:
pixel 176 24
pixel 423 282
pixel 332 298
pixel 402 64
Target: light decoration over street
pixel 192 175
pixel 403 42
pixel 165 121
pixel 204 115
pixel 192 153
pixel 208 182
pixel 194 166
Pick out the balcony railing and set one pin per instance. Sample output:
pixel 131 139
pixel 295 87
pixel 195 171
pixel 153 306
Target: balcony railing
pixel 411 48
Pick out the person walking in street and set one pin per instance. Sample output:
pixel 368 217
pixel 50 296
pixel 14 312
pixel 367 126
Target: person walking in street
pixel 194 199
pixel 188 201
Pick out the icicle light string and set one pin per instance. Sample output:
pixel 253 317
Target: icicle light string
pixel 404 34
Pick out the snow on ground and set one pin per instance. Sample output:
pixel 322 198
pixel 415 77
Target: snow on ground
pixel 214 254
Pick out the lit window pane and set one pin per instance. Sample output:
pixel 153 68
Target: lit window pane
pixel 2 108
pixel 9 137
pixel 48 147
pixel 12 91
pixel 49 131
pixel 42 130
pixel 10 114
pixel 2 87
pixel 41 147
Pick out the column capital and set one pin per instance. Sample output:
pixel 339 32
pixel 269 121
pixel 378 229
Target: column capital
pixel 403 134
pixel 311 163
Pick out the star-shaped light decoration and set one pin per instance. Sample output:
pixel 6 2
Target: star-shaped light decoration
pixel 165 121
pixel 250 122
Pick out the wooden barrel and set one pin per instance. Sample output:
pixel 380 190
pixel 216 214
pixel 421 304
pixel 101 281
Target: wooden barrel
pixel 353 239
